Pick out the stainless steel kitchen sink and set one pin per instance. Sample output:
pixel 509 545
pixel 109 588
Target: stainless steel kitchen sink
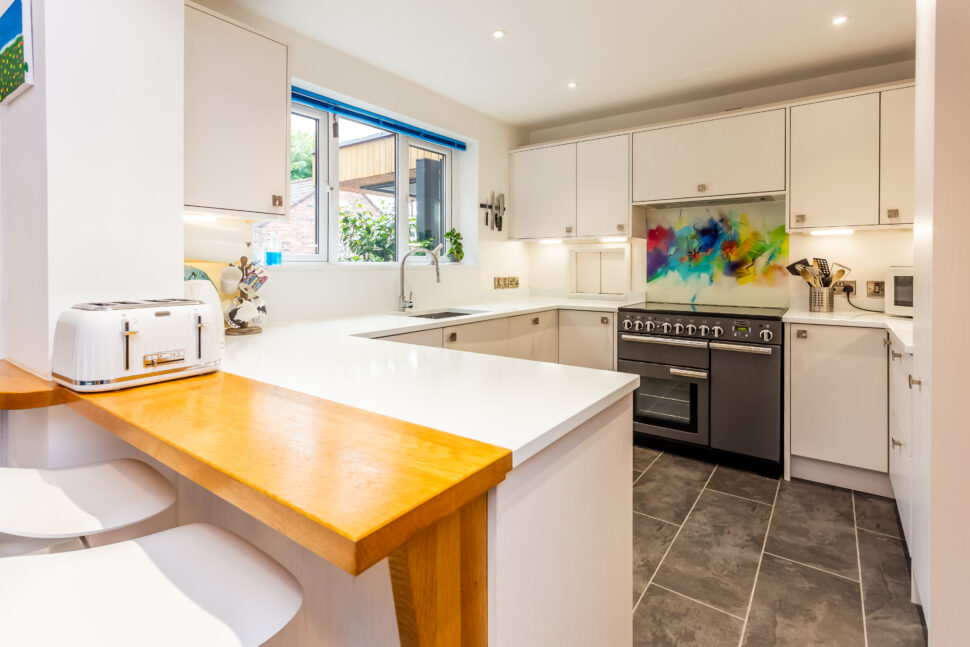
pixel 446 314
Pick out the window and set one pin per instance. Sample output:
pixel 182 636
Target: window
pixel 349 200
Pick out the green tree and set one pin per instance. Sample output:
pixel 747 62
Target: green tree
pixel 302 147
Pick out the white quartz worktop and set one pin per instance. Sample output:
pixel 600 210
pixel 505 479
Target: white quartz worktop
pixel 518 404
pixel 899 327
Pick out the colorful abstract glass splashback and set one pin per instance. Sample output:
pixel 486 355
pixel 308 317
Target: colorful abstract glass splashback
pixel 718 255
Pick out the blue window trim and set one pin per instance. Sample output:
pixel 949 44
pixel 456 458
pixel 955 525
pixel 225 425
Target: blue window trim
pixel 314 100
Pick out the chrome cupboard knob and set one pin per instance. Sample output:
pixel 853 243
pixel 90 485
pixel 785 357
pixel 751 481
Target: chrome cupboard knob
pixel 679 328
pixel 717 331
pixel 627 324
pixel 766 335
pixel 638 326
pixel 705 330
pixel 666 327
pixel 651 326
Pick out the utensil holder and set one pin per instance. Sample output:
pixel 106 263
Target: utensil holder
pixel 821 299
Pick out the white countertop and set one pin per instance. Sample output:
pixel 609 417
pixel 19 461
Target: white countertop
pixel 522 405
pixel 899 327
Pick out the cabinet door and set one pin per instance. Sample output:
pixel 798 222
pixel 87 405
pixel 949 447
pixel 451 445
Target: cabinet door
pixel 900 434
pixel 839 383
pixel 897 139
pixel 544 192
pixel 489 337
pixel 535 336
pixel 586 338
pixel 835 163
pixel 727 156
pixel 419 338
pixel 603 187
pixel 237 116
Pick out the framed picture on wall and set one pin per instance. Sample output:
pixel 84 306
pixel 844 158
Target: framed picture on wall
pixel 16 49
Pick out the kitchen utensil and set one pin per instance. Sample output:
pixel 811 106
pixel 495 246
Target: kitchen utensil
pixel 821 299
pixel 839 274
pixel 229 279
pixel 808 276
pixel 793 268
pixel 823 266
pixel 840 266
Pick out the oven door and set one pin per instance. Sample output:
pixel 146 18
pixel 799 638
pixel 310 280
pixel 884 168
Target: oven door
pixel 671 401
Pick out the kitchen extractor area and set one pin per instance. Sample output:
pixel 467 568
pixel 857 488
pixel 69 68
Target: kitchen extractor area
pixel 346 328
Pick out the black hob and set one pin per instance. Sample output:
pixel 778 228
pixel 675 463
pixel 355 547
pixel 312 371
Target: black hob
pixel 706 310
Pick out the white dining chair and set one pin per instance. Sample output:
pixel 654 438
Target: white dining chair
pixel 43 507
pixel 192 585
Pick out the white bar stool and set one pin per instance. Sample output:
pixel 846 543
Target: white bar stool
pixel 191 585
pixel 43 507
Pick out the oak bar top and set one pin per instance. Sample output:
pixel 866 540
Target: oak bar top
pixel 22 390
pixel 350 485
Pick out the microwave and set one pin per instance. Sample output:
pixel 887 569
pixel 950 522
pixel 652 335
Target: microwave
pixel 899 291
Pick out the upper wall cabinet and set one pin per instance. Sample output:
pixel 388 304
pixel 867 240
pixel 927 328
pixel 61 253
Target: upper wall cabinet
pixel 720 157
pixel 897 127
pixel 237 112
pixel 544 192
pixel 835 163
pixel 603 187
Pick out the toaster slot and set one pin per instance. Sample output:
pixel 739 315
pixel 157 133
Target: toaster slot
pixel 126 335
pixel 198 332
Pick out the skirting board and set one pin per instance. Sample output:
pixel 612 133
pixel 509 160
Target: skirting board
pixel 852 478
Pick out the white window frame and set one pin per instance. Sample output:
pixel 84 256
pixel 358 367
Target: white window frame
pixel 403 155
pixel 323 190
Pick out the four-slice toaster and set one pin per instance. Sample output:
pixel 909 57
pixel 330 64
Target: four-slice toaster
pixel 118 344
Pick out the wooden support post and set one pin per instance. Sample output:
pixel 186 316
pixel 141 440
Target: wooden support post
pixel 440 581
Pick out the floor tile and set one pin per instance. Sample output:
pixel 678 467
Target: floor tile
pixel 813 524
pixel 643 456
pixel 715 557
pixel 636 474
pixel 891 619
pixel 651 538
pixel 745 484
pixel 667 619
pixel 877 513
pixel 670 487
pixel 798 605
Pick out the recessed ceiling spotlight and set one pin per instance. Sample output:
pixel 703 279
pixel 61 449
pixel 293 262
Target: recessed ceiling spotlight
pixel 840 20
pixel 571 84
pixel 499 34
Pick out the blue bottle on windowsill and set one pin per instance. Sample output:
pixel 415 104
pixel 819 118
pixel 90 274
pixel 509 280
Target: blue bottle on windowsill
pixel 273 254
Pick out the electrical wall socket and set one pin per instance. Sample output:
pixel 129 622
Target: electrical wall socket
pixel 838 285
pixel 505 282
pixel 876 289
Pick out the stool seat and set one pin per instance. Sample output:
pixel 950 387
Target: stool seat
pixel 191 585
pixel 57 504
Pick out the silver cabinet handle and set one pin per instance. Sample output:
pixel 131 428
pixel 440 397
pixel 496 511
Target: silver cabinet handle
pixel 620 227
pixel 743 348
pixel 894 354
pixel 665 341
pixel 801 334
pixel 277 201
pixel 701 188
pixel 914 382
pixel 569 229
pixel 453 336
pixel 604 320
pixel 892 213
pixel 535 321
pixel 896 443
pixel 800 218
pixel 682 372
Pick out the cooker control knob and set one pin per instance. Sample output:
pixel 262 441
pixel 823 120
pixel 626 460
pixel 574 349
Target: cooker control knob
pixel 705 330
pixel 691 329
pixel 717 331
pixel 679 328
pixel 766 335
pixel 627 324
pixel 638 326
pixel 651 326
pixel 666 327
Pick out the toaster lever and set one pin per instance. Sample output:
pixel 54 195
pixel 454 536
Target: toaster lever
pixel 126 334
pixel 199 333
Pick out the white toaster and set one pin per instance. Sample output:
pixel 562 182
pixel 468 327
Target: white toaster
pixel 118 344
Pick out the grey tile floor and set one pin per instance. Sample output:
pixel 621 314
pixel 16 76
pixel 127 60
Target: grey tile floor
pixel 727 557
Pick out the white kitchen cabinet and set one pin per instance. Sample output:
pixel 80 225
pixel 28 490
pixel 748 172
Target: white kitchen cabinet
pixel 543 201
pixel 237 118
pixel 603 187
pixel 489 337
pixel 432 338
pixel 535 336
pixel 896 156
pixel 838 381
pixel 719 157
pixel 835 163
pixel 901 434
pixel 587 338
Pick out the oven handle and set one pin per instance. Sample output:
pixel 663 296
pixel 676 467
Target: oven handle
pixel 682 372
pixel 743 348
pixel 667 341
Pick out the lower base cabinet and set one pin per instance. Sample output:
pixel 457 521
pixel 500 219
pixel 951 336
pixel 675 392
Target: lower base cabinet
pixel 535 336
pixel 419 338
pixel 489 337
pixel 587 338
pixel 901 421
pixel 838 382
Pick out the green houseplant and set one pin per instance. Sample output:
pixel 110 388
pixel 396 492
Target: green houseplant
pixel 455 250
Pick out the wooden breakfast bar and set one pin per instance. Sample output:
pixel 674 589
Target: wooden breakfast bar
pixel 349 485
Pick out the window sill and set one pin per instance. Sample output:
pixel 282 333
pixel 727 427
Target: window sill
pixel 322 266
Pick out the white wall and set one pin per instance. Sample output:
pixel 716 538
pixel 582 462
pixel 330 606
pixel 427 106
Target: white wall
pixel 748 99
pixel 483 169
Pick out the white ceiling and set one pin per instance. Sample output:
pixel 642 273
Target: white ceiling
pixel 625 54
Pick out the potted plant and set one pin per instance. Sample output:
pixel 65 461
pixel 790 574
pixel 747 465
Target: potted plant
pixel 455 250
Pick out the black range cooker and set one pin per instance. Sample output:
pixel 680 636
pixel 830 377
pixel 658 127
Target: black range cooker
pixel 710 380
